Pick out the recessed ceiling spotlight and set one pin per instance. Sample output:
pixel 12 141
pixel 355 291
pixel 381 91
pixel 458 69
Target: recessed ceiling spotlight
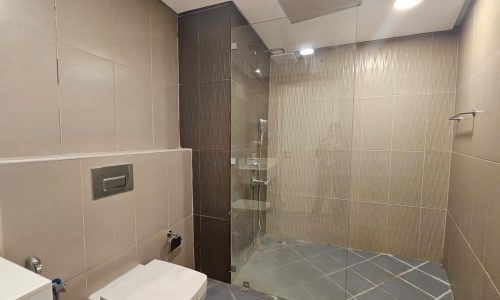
pixel 406 4
pixel 306 51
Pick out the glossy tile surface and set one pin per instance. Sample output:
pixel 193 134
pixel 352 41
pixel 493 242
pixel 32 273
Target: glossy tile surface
pixel 314 271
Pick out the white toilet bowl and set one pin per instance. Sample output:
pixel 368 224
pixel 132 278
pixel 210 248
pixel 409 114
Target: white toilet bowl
pixel 154 281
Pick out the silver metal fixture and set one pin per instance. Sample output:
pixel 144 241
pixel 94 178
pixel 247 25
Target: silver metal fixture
pixel 256 181
pixel 33 264
pixel 459 116
pixel 262 131
pixel 174 240
pixel 112 180
pixel 57 287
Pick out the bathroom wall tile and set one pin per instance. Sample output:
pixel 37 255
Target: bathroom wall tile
pixel 460 198
pixel 486 31
pixel 403 230
pixel 197 241
pixel 36 16
pixel 406 178
pixel 193 124
pixel 343 124
pixel 75 289
pixel 188 48
pixel 196 182
pixel 444 62
pixel 214 43
pixel 355 174
pixel 2 253
pixel 432 227
pixel 86 82
pixel 410 114
pixel 107 271
pixel 133 102
pixel 50 209
pixel 487 194
pixel 488 290
pixel 165 115
pixel 465 131
pixel 151 193
pixel 215 247
pixel 352 239
pixel 374 178
pixel 372 226
pixel 33 126
pixel 153 247
pixel 413 64
pixel 215 184
pixel 86 25
pixel 436 180
pixel 216 97
pixel 376 68
pixel 376 122
pixel 106 216
pixel 465 47
pixel 485 140
pixel 131 33
pixel 180 187
pixel 341 168
pixel 439 130
pixel 184 255
pixel 165 61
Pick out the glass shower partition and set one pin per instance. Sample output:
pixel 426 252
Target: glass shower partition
pixel 292 141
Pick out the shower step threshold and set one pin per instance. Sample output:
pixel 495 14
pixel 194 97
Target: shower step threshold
pixel 246 204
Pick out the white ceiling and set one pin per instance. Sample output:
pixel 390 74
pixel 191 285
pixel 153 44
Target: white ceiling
pixel 373 20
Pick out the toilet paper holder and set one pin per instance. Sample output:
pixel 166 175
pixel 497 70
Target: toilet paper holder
pixel 174 240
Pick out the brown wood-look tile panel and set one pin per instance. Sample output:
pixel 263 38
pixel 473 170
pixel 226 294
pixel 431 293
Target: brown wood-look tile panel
pixel 188 48
pixel 215 257
pixel 215 106
pixel 215 43
pixel 215 173
pixel 197 242
pixel 190 116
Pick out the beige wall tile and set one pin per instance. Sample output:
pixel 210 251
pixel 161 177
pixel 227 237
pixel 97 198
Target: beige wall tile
pixel 131 33
pixel 486 31
pixel 107 271
pixel 151 193
pixel 372 226
pixel 75 289
pixel 86 25
pixel 180 185
pixel 184 255
pixel 413 64
pixel 374 176
pixel 343 123
pixel 165 60
pixel 376 123
pixel 165 115
pixel 488 290
pixel 28 127
pixel 439 130
pixel 461 192
pixel 465 47
pixel 432 225
pixel 410 114
pixel 352 238
pixel 406 178
pixel 465 131
pixel 436 179
pixel 444 62
pixel 86 94
pixel 1 233
pixel 153 247
pixel 33 15
pixel 46 218
pixel 403 230
pixel 110 221
pixel 376 68
pixel 486 142
pixel 341 187
pixel 134 112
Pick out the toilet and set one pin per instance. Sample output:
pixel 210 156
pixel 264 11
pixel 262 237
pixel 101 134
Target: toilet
pixel 154 281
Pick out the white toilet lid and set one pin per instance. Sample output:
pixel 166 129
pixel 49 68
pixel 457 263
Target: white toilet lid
pixel 156 280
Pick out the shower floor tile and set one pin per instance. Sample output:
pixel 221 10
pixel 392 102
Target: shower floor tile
pixel 298 270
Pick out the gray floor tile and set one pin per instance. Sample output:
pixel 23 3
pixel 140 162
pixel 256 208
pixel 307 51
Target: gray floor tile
pixel 295 293
pixel 285 255
pixel 270 244
pixel 326 263
pixel 435 270
pixel 375 294
pixel 307 250
pixel 448 296
pixel 277 280
pixel 413 262
pixel 372 272
pixel 218 291
pixel 346 257
pixel 262 260
pixel 364 254
pixel 403 291
pixel 351 282
pixel 426 283
pixel 391 264
pixel 325 289
pixel 240 294
pixel 302 271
